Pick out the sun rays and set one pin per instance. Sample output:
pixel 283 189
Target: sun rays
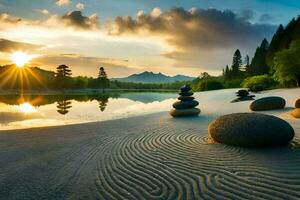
pixel 20 58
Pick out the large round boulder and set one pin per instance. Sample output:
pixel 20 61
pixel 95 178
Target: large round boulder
pixel 185 112
pixel 297 104
pixel 185 104
pixel 251 130
pixel 296 113
pixel 268 103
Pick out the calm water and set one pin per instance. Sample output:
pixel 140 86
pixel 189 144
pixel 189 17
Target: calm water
pixel 36 111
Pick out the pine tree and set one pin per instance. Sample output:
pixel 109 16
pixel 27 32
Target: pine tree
pixel 63 76
pixel 227 74
pixel 259 64
pixel 236 63
pixel 274 45
pixel 102 79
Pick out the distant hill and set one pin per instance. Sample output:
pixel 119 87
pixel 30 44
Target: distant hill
pixel 33 77
pixel 150 77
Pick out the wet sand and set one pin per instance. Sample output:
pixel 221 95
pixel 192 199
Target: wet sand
pixel 148 157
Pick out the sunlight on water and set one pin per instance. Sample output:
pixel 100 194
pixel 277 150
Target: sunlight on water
pixel 26 108
pixel 50 110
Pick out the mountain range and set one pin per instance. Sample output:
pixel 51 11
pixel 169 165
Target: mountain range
pixel 150 77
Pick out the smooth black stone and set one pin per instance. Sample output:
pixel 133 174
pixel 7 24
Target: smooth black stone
pixel 297 104
pixel 251 130
pixel 186 94
pixel 185 104
pixel 185 98
pixel 267 103
pixel 185 112
pixel 242 93
pixel 185 88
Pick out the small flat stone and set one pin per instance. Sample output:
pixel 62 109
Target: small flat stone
pixel 268 103
pixel 251 130
pixel 296 113
pixel 186 94
pixel 185 98
pixel 297 104
pixel 185 104
pixel 242 93
pixel 185 88
pixel 185 112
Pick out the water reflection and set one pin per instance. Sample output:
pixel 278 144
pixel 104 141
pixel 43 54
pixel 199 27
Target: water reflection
pixel 45 110
pixel 63 106
pixel 103 103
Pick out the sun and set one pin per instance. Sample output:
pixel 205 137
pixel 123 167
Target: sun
pixel 20 58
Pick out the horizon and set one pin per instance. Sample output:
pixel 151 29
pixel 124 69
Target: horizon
pixel 181 38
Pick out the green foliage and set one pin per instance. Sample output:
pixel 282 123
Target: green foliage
pixel 207 85
pixel 233 83
pixel 259 83
pixel 205 82
pixel 287 65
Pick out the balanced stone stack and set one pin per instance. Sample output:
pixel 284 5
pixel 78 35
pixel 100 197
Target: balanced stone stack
pixel 296 112
pixel 243 95
pixel 186 106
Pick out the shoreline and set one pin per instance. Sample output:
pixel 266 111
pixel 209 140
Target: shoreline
pixel 151 156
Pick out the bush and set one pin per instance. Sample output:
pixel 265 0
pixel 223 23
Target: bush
pixel 234 83
pixel 259 83
pixel 205 85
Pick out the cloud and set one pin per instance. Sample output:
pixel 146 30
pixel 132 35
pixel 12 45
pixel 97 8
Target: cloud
pixel 6 18
pixel 43 11
pixel 9 46
pixel 194 32
pixel 77 20
pixel 266 18
pixel 80 6
pixel 63 2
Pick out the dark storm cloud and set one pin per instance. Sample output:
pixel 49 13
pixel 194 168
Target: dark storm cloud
pixel 196 28
pixel 77 20
pixel 8 46
pixel 202 38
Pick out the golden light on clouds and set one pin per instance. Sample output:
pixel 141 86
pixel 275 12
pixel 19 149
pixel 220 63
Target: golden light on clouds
pixel 20 58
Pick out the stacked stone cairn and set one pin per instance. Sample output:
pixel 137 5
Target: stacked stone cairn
pixel 186 106
pixel 243 95
pixel 296 112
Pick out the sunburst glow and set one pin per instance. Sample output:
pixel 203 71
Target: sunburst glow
pixel 20 58
pixel 26 108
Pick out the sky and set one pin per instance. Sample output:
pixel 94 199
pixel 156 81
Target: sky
pixel 131 36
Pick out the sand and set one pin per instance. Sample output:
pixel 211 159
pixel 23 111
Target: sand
pixel 148 157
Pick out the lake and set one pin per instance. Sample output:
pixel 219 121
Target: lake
pixel 28 111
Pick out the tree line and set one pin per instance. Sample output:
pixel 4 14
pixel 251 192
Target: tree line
pixel 274 64
pixel 34 78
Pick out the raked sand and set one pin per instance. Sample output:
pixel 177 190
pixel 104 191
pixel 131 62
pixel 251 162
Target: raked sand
pixel 149 157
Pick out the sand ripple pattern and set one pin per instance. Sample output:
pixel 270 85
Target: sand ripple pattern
pixel 179 164
pixel 153 161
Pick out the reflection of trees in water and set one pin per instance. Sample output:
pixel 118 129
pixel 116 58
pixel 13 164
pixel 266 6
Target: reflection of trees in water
pixel 63 106
pixel 103 100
